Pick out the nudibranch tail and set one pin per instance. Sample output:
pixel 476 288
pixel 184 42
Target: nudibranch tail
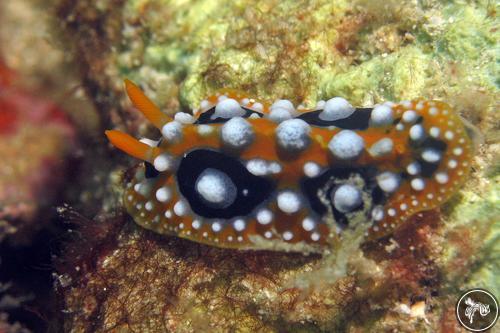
pixel 145 105
pixel 239 173
pixel 131 146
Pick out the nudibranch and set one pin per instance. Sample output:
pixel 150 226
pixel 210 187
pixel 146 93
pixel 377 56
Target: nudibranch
pixel 241 173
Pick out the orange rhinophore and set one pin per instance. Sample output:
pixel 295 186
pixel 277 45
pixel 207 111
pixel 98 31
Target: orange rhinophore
pixel 245 174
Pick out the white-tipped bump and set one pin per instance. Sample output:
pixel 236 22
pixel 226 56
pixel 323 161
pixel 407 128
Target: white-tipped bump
pixel 196 224
pixel 381 147
pixel 431 155
pixel 409 116
pixel 378 213
pixel 216 226
pixel 418 184
pixel 239 225
pixel 346 145
pixel 279 115
pixel 228 108
pixel 434 131
pixel 413 168
pixel 388 181
pixel 287 235
pixel 347 198
pixel 237 133
pixel 417 132
pixel 293 134
pixel 163 194
pixel 172 131
pixel 311 169
pixel 442 177
pixel 308 224
pixel 180 208
pixel 216 188
pixel 283 104
pixel 264 216
pixel 289 202
pixel 184 118
pixel 381 115
pixel 335 109
pixel 164 162
pixel 260 167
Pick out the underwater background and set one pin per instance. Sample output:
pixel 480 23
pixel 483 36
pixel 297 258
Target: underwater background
pixel 73 260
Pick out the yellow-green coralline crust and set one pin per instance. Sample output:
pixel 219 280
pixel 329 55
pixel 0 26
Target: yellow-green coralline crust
pixel 366 51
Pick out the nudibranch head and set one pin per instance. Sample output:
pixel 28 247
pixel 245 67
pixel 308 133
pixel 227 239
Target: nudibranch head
pixel 240 173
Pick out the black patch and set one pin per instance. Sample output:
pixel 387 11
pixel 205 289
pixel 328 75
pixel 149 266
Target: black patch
pixel 359 120
pixel 151 172
pixel 196 161
pixel 206 117
pixel 427 168
pixel 311 186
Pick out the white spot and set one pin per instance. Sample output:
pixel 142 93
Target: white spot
pixel 417 184
pixel 413 168
pixel 237 132
pixel 315 236
pixel 283 104
pixel 164 162
pixel 172 131
pixel 335 109
pixel 311 169
pixel 391 212
pixel 320 104
pixel 268 234
pixel 204 104
pixel 308 224
pixel 431 155
pixel 180 208
pixel 441 177
pixel 409 116
pixel 458 151
pixel 434 132
pixel 260 167
pixel 400 127
pixel 264 216
pixel 287 235
pixel 417 132
pixel 378 213
pixel 149 206
pixel 433 111
pixel 346 145
pixel 381 115
pixel 216 188
pixel 449 135
pixel 168 213
pixel 347 198
pixel 414 202
pixel 258 107
pixel 137 187
pixel 216 226
pixel 452 164
pixel 403 206
pixel 289 202
pixel 130 197
pixel 239 225
pixel 293 134
pixel 184 118
pixel 430 196
pixel 407 104
pixel 254 116
pixel 229 238
pixel 163 194
pixel 228 108
pixel 419 106
pixel 388 181
pixel 181 226
pixel 381 147
pixel 204 130
pixel 245 101
pixel 279 115
pixel 196 224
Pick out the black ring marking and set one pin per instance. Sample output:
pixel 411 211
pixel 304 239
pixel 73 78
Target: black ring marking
pixel 358 120
pixel 195 162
